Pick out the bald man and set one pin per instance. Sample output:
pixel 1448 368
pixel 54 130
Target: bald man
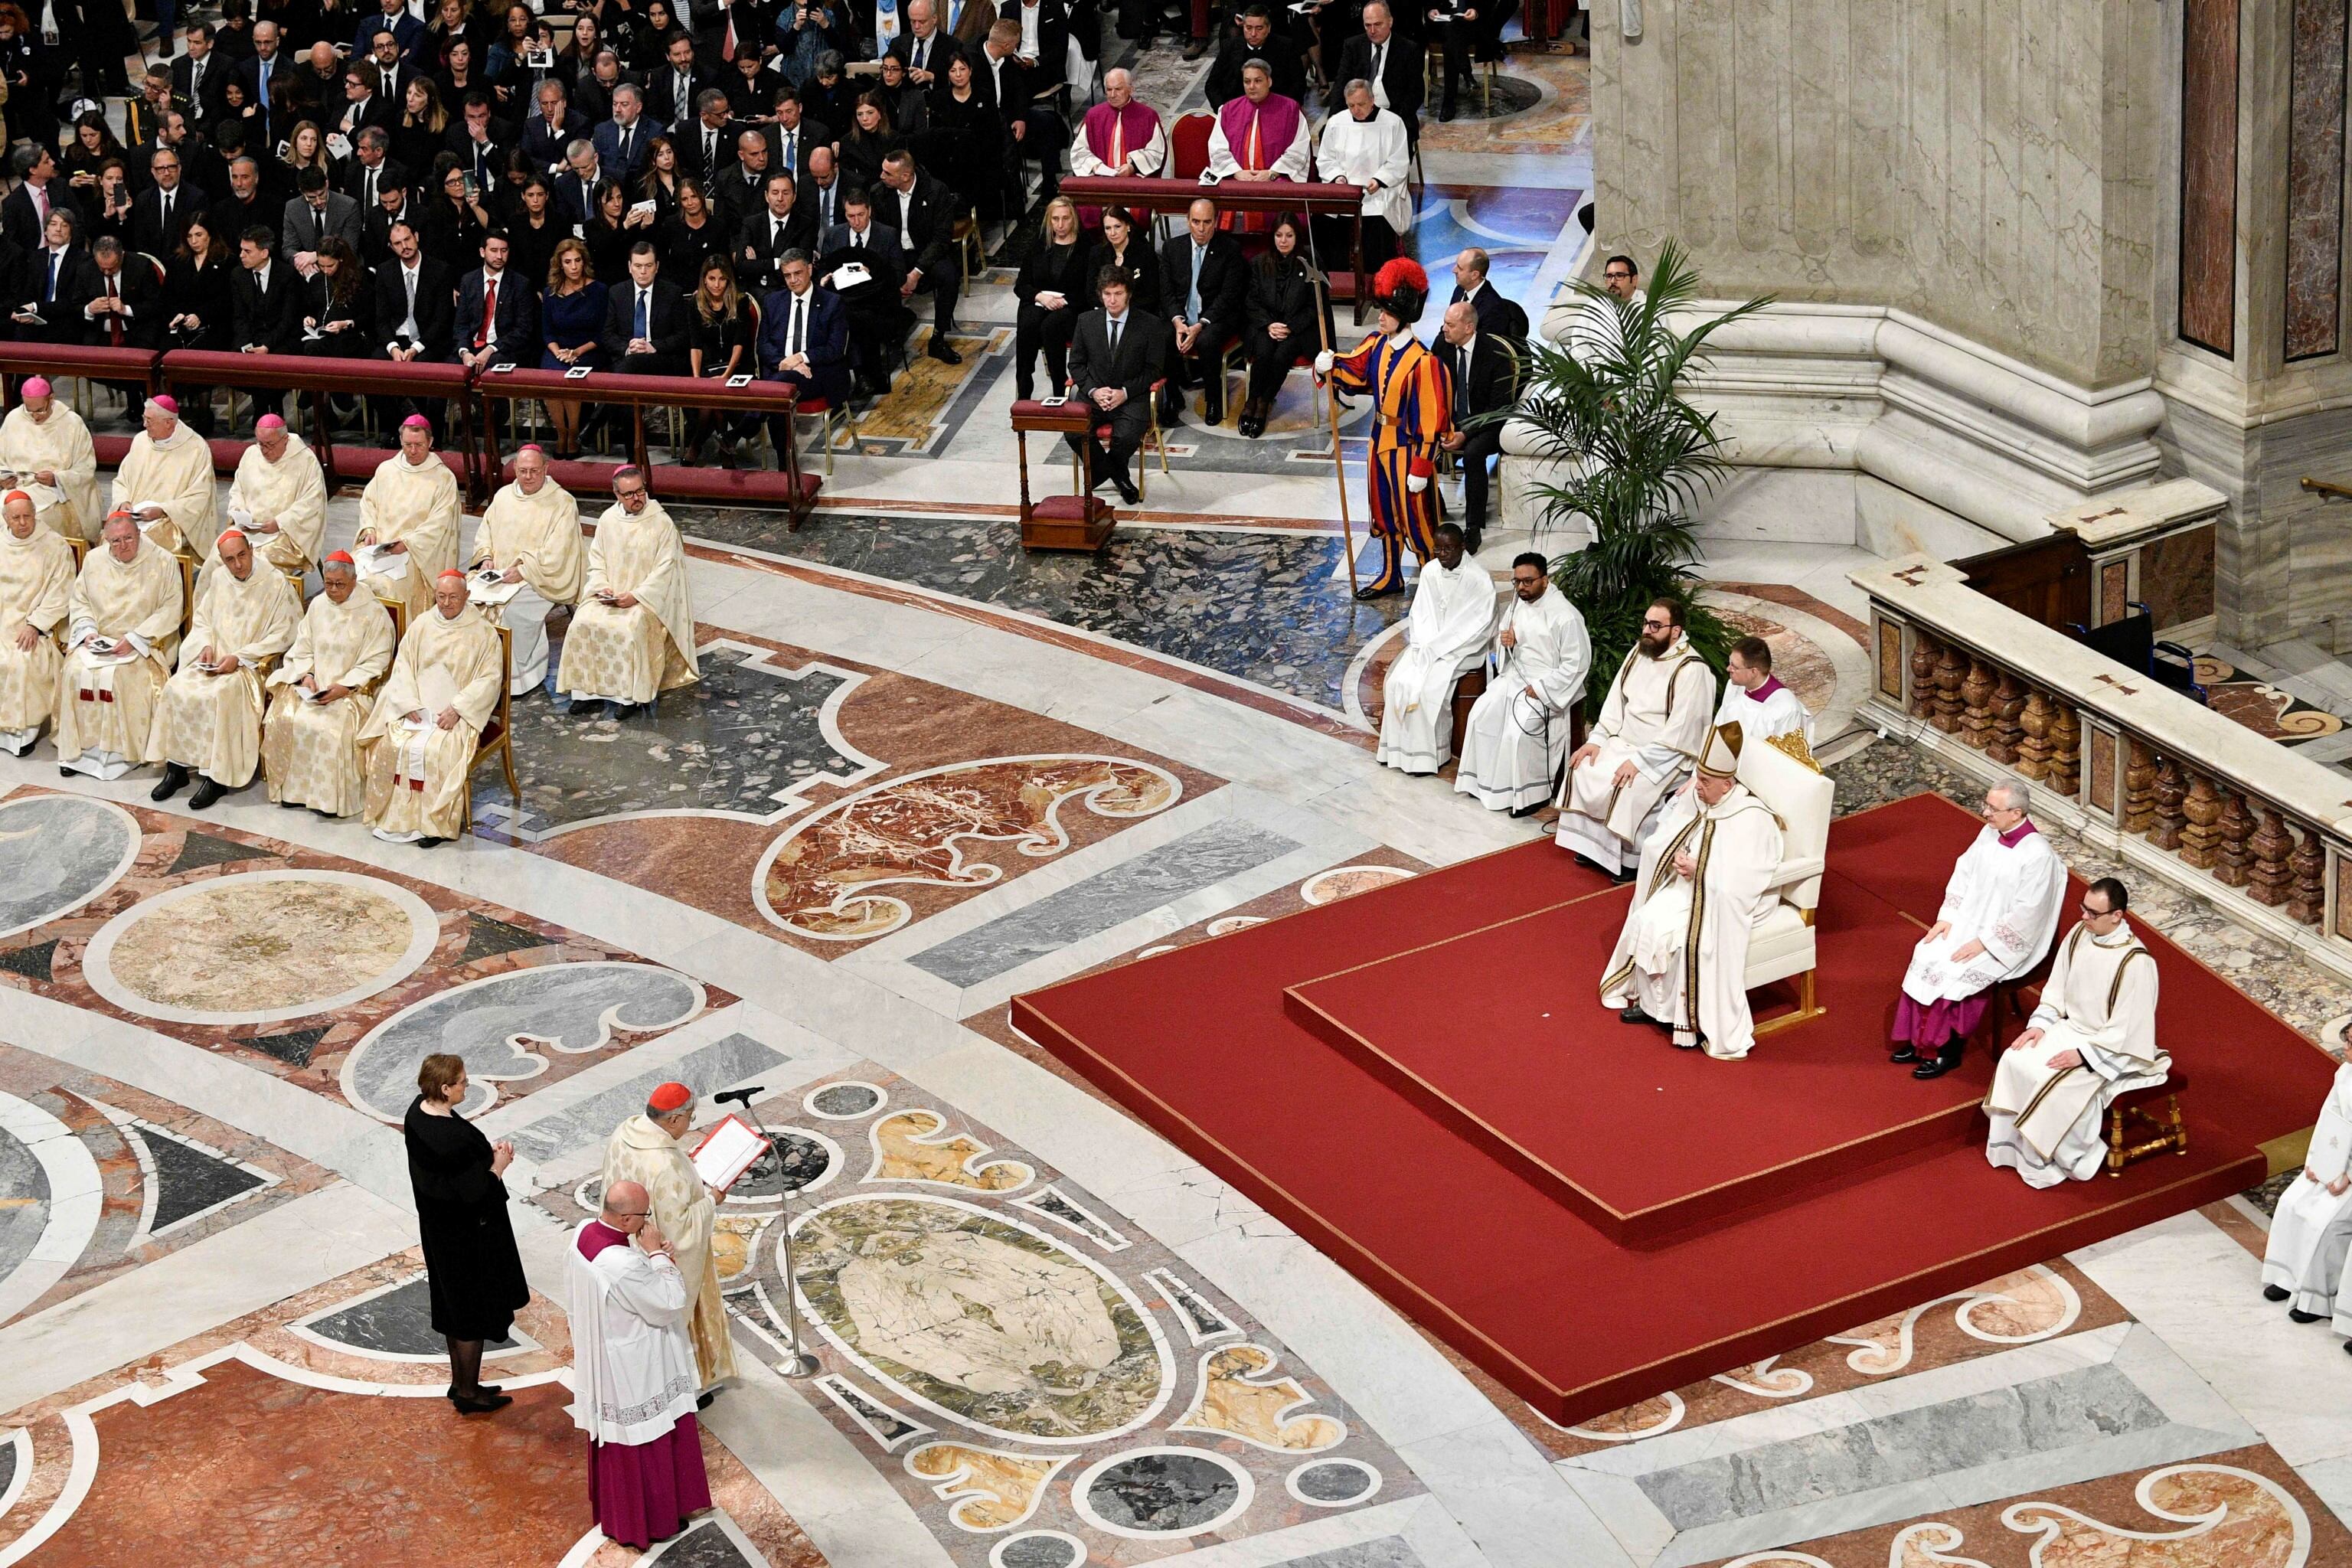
pixel 209 721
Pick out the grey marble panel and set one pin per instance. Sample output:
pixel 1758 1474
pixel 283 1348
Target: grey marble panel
pixel 55 852
pixel 707 1545
pixel 704 1069
pixel 1201 859
pixel 2083 1405
pixel 24 1203
pixel 189 1180
pixel 558 1007
pixel 397 1322
pixel 198 850
pixel 1388 1552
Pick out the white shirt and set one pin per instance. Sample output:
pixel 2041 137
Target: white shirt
pixel 796 325
pixel 1030 12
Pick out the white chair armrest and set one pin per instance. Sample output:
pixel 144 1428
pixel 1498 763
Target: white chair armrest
pixel 1799 869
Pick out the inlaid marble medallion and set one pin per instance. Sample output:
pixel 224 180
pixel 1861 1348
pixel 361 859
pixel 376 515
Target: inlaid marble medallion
pixel 56 853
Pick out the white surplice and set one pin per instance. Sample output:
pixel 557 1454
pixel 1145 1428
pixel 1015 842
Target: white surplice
pixel 1656 716
pixel 1445 634
pixel 1771 709
pixel 632 1365
pixel 1358 152
pixel 2006 893
pixel 1515 742
pixel 2100 1001
pixel 2311 1233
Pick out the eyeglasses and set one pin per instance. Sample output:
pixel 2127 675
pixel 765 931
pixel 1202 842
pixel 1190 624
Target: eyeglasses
pixel 2091 914
pixel 1657 626
pixel 1617 277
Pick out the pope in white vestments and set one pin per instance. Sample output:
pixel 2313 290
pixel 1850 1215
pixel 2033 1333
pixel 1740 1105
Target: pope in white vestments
pixel 122 624
pixel 45 445
pixel 1999 914
pixel 209 720
pixel 323 687
pixel 428 717
pixel 36 580
pixel 2311 1233
pixel 1682 958
pixel 531 537
pixel 278 498
pixel 650 1148
pixel 1445 634
pixel 2093 1037
pixel 1517 734
pixel 411 501
pixel 1652 724
pixel 166 482
pixel 632 636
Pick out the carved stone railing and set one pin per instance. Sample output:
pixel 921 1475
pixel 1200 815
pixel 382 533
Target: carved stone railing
pixel 2167 783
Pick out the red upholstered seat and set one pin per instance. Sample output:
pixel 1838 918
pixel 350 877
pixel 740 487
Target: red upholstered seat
pixel 1188 144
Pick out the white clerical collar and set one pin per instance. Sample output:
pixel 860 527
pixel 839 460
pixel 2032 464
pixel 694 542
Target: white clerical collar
pixel 2118 937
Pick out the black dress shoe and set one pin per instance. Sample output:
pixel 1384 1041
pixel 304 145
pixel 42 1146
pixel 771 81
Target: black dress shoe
pixel 1625 876
pixel 1378 593
pixel 482 1405
pixel 1634 1015
pixel 208 790
pixel 1126 490
pixel 430 843
pixel 1472 538
pixel 1935 1068
pixel 941 351
pixel 175 779
pixel 1904 1054
pixel 2275 1293
pixel 2298 1316
pixel 702 1402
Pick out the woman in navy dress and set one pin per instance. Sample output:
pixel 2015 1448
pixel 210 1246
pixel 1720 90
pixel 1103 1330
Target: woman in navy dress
pixel 572 314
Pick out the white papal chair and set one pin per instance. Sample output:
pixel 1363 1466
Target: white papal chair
pixel 1786 779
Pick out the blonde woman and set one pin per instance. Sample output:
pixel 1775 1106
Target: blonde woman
pixel 571 314
pixel 1053 289
pixel 722 333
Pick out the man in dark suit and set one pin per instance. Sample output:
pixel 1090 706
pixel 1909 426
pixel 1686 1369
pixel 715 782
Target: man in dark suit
pixel 363 106
pixel 498 309
pixel 125 311
pixel 924 213
pixel 644 319
pixel 1030 131
pixel 371 172
pixel 25 213
pixel 1204 290
pixel 804 338
pixel 315 217
pixel 741 189
pixel 1390 62
pixel 924 48
pixel 821 191
pixel 764 241
pixel 268 78
pixel 390 16
pixel 393 207
pixel 1257 40
pixel 479 142
pixel 318 84
pixel 161 215
pixel 674 89
pixel 416 318
pixel 200 78
pixel 1484 368
pixel 878 317
pixel 708 145
pixel 268 298
pixel 1044 44
pixel 1116 353
pixel 623 143
pixel 1497 315
pixel 393 71
pixel 554 127
pixel 245 206
pixel 793 138
pixel 58 282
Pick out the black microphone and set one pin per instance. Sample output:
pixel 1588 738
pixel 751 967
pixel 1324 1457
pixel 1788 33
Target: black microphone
pixel 741 1096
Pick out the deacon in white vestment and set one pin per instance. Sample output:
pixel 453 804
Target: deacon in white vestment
pixel 1367 146
pixel 632 636
pixel 209 720
pixel 36 579
pixel 278 498
pixel 1999 914
pixel 311 742
pixel 411 503
pixel 1754 699
pixel 1517 734
pixel 45 445
pixel 1445 634
pixel 123 623
pixel 428 717
pixel 651 1149
pixel 166 482
pixel 2093 1037
pixel 531 537
pixel 1651 727
pixel 2311 1233
pixel 1681 959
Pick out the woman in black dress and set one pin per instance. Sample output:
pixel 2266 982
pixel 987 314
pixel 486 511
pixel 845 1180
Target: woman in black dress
pixel 1281 324
pixel 471 1267
pixel 1053 289
pixel 199 309
pixel 1123 245
pixel 965 143
pixel 455 218
pixel 532 232
pixel 871 139
pixel 688 235
pixel 723 332
pixel 609 237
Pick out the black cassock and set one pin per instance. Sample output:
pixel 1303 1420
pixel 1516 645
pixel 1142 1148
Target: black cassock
pixel 471 1267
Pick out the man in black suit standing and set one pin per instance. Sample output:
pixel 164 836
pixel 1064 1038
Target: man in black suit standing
pixel 268 78
pixel 644 319
pixel 1257 40
pixel 1011 87
pixel 267 295
pixel 1203 287
pixel 1497 315
pixel 497 309
pixel 161 215
pixel 762 242
pixel 1390 62
pixel 200 78
pixel 923 211
pixel 878 317
pixel 1116 353
pixel 1485 367
pixel 125 311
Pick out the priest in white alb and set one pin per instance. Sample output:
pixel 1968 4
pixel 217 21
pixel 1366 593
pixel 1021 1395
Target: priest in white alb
pixel 633 1376
pixel 1754 699
pixel 1118 137
pixel 2093 1037
pixel 209 720
pixel 1681 961
pixel 123 625
pixel 1652 724
pixel 45 445
pixel 531 538
pixel 166 482
pixel 410 512
pixel 428 716
pixel 2000 912
pixel 1445 637
pixel 633 636
pixel 322 689
pixel 1518 733
pixel 2311 1233
pixel 36 579
pixel 278 498
pixel 650 1148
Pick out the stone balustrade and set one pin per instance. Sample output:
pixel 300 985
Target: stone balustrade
pixel 2164 781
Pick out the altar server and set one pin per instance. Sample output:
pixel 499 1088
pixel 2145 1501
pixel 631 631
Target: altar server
pixel 1682 959
pixel 1446 635
pixel 1652 724
pixel 411 502
pixel 1999 912
pixel 650 1148
pixel 1119 136
pixel 166 481
pixel 209 720
pixel 2093 1037
pixel 1517 734
pixel 45 445
pixel 311 742
pixel 531 536
pixel 36 578
pixel 1367 146
pixel 421 734
pixel 633 638
pixel 2311 1233
pixel 123 625
pixel 278 498
pixel 1754 699
pixel 633 1377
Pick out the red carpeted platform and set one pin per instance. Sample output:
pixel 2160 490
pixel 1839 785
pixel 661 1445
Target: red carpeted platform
pixel 1202 1044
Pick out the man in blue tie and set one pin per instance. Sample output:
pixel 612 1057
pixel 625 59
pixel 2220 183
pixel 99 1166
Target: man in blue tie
pixel 60 287
pixel 644 319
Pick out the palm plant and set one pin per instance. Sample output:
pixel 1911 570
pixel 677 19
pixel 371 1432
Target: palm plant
pixel 1636 458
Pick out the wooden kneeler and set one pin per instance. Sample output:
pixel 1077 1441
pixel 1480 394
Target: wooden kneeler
pixel 2137 1109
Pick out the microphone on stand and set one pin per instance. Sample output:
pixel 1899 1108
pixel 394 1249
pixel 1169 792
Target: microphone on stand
pixel 741 1096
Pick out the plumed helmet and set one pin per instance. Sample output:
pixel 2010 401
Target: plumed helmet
pixel 1402 289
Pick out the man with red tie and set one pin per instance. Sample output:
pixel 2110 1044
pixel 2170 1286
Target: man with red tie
pixel 495 309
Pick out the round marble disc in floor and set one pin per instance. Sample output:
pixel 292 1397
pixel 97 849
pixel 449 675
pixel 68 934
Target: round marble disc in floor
pixel 56 853
pixel 260 947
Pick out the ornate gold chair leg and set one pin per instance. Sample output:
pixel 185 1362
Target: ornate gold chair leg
pixel 2115 1140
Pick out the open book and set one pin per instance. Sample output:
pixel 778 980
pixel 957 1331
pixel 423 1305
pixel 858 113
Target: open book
pixel 484 587
pixel 726 1151
pixel 374 562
